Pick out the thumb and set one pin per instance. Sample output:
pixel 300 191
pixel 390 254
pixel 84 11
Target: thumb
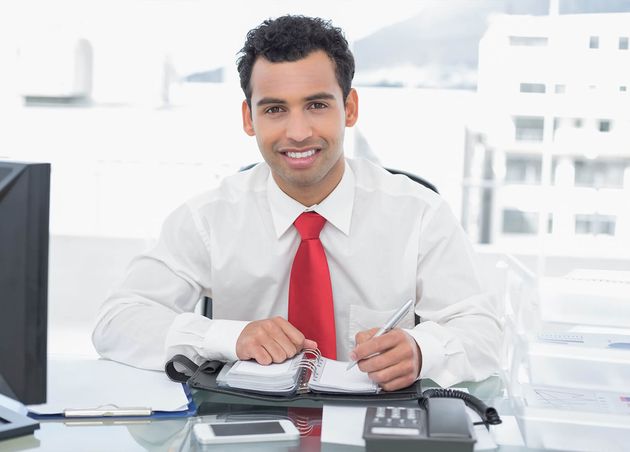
pixel 308 343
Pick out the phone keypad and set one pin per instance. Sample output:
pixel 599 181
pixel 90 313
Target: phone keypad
pixel 396 417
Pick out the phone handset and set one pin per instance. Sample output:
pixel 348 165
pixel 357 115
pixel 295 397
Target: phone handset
pixel 447 419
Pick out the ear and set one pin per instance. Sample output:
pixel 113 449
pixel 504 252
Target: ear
pixel 248 125
pixel 352 108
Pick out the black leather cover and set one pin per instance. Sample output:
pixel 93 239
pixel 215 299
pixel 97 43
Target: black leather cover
pixel 204 377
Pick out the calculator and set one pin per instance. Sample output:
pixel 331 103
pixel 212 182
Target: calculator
pixel 444 425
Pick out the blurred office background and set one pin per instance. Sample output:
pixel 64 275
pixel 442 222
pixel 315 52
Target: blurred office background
pixel 518 110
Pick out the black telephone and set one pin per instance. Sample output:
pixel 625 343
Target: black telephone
pixel 440 422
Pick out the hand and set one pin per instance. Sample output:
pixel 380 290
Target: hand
pixel 271 341
pixel 398 362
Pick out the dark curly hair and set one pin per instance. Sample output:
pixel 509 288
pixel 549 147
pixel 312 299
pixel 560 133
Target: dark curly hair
pixel 291 38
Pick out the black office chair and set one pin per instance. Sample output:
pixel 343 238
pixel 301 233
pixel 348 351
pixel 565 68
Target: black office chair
pixel 207 301
pixel 415 178
pixel 411 176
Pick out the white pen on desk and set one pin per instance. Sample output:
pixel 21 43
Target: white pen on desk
pixel 107 411
pixel 390 325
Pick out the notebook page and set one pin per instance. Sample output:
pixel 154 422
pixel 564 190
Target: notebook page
pixel 253 369
pixel 281 378
pixel 332 376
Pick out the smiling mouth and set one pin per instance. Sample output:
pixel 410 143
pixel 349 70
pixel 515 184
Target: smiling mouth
pixel 301 154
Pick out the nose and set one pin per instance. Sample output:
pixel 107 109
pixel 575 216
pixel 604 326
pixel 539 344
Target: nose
pixel 298 127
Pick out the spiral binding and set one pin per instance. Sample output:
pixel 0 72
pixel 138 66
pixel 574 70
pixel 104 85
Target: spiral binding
pixel 313 351
pixel 310 367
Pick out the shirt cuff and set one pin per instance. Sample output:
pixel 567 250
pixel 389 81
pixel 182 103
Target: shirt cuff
pixel 432 350
pixel 220 339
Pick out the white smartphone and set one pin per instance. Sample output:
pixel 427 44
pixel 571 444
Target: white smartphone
pixel 245 432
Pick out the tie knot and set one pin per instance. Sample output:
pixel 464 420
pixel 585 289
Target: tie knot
pixel 309 225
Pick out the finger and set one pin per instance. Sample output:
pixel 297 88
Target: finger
pixel 292 333
pixel 272 331
pixel 279 336
pixel 399 370
pixel 278 355
pixel 296 340
pixel 381 360
pixel 375 345
pixel 399 349
pixel 261 356
pixel 398 383
pixel 363 336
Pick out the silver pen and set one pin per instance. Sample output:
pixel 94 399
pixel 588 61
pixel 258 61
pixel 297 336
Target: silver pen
pixel 390 325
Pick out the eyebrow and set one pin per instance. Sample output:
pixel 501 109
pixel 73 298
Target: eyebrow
pixel 270 100
pixel 320 96
pixel 312 97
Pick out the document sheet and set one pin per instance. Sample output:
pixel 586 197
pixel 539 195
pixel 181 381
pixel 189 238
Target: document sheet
pixel 88 383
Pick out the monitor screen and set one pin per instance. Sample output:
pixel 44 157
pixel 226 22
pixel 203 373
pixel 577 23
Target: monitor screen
pixel 24 219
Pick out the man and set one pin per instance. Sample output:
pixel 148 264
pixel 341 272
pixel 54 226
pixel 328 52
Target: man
pixel 376 241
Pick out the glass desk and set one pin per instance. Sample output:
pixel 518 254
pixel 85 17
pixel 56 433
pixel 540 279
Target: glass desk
pixel 176 434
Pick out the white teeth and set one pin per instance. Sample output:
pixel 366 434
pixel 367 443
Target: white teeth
pixel 301 155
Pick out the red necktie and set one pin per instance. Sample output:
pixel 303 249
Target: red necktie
pixel 310 292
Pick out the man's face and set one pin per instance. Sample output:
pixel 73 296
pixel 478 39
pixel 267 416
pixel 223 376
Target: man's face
pixel 298 117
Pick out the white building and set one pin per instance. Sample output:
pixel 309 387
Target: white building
pixel 556 90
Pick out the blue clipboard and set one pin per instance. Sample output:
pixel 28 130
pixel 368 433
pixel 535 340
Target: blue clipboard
pixel 120 413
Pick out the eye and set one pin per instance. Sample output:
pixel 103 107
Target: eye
pixel 317 106
pixel 273 110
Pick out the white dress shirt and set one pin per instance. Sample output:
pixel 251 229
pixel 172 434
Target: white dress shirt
pixel 387 239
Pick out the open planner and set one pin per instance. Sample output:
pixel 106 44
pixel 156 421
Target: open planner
pixel 307 380
pixel 307 371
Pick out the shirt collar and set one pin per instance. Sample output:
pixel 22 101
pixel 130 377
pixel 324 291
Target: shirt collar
pixel 336 208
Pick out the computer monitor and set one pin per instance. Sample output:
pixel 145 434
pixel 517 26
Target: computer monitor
pixel 24 220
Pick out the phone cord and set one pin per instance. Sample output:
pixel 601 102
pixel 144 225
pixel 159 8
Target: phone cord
pixel 488 414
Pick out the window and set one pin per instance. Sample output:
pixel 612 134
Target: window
pixel 532 88
pixel 600 173
pixel 561 122
pixel 623 43
pixel 528 41
pixel 523 169
pixel 560 89
pixel 593 42
pixel 595 224
pixel 516 221
pixel 604 125
pixel 529 128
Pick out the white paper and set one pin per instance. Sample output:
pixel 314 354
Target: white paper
pixel 93 383
pixel 573 399
pixel 253 369
pixel 334 376
pixel 343 425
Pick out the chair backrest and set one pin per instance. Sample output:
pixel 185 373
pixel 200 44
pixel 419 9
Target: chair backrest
pixel 413 177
